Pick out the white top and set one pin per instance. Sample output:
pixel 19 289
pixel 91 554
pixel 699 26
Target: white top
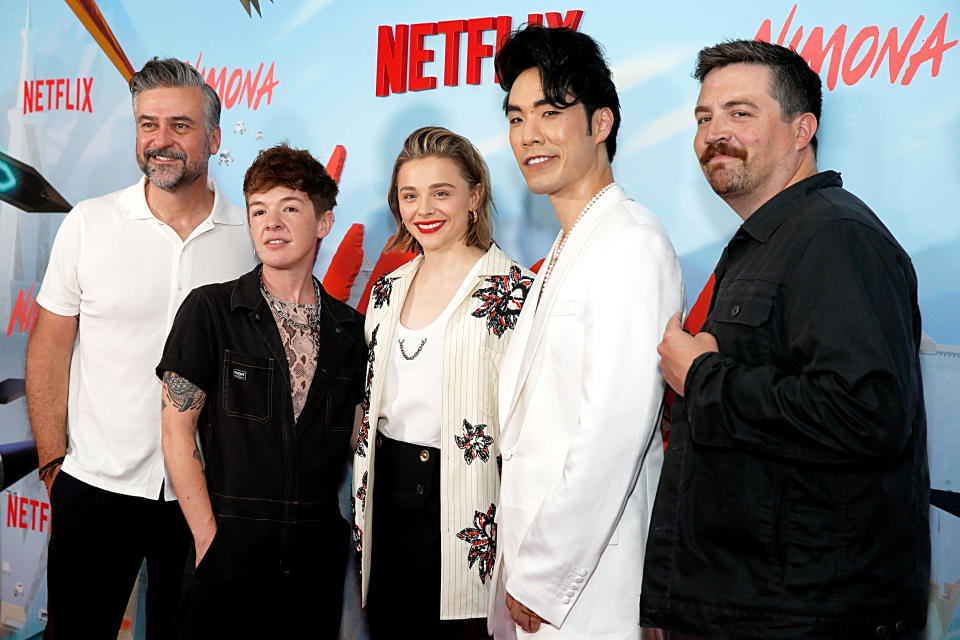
pixel 412 405
pixel 125 273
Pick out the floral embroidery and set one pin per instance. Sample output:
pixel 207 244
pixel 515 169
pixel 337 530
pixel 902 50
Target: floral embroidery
pixel 382 289
pixel 362 492
pixel 482 537
pixel 475 443
pixel 362 441
pixel 502 300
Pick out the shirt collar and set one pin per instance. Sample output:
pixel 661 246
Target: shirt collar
pixel 246 295
pixel 774 211
pixel 134 200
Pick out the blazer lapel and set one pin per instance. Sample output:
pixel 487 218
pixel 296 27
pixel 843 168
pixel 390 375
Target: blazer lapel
pixel 541 300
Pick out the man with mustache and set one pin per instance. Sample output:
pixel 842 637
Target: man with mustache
pixel 794 496
pixel 120 266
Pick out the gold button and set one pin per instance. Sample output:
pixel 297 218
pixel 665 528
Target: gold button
pixel 424 455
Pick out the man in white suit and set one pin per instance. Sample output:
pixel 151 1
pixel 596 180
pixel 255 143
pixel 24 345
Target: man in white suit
pixel 580 392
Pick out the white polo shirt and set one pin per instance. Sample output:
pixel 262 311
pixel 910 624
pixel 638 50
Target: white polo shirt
pixel 125 273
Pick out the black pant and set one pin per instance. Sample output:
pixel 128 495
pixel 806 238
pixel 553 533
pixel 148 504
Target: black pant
pixel 98 541
pixel 404 596
pixel 260 578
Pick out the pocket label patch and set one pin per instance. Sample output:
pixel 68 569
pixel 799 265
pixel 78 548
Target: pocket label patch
pixel 239 374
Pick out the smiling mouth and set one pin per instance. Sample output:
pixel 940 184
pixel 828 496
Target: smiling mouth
pixel 536 160
pixel 275 242
pixel 429 227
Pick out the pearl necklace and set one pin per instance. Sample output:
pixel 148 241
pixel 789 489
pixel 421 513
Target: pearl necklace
pixel 563 238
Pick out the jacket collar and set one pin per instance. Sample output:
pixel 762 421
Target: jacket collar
pixel 246 295
pixel 777 209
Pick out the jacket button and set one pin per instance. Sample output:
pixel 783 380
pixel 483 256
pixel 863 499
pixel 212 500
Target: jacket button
pixel 883 632
pixel 898 626
pixel 424 455
pixel 735 310
pixel 256 316
pixel 379 441
pixel 338 330
pixel 419 489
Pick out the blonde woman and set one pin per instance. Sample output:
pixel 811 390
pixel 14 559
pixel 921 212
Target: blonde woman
pixel 426 475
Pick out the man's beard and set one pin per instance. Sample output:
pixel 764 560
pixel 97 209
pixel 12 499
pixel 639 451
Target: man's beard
pixel 170 177
pixel 726 180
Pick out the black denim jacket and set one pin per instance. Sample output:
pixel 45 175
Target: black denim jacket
pixel 260 462
pixel 794 495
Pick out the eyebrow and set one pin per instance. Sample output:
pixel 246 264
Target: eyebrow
pixel 539 103
pixel 435 185
pixel 259 203
pixel 147 116
pixel 729 104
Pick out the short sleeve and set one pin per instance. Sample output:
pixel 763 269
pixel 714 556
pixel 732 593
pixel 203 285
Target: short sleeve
pixel 190 350
pixel 60 291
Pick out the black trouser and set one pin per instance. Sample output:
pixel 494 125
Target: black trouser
pixel 263 579
pixel 404 596
pixel 98 541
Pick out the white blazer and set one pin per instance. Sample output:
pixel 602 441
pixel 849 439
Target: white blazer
pixel 476 337
pixel 580 398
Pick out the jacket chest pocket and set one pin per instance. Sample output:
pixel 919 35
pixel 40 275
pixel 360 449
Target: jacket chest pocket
pixel 742 320
pixel 247 386
pixel 343 391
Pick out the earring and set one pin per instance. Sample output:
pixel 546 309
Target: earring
pixel 473 217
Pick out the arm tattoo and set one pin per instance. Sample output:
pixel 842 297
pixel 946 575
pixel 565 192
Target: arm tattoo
pixel 196 454
pixel 184 395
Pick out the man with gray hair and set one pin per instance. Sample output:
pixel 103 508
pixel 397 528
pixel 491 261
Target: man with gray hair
pixel 120 266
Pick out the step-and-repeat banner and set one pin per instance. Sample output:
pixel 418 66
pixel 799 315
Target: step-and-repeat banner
pixel 350 80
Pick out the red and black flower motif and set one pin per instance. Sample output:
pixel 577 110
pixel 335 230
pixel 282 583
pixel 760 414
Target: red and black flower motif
pixel 362 437
pixel 362 492
pixel 482 537
pixel 382 289
pixel 474 442
pixel 502 301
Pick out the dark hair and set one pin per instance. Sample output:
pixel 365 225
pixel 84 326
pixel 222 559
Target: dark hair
pixel 794 85
pixel 284 166
pixel 572 70
pixel 437 142
pixel 173 73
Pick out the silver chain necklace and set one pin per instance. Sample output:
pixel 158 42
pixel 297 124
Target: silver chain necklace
pixel 563 239
pixel 415 353
pixel 313 310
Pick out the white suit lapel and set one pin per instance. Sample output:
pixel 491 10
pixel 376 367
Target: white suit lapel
pixel 541 301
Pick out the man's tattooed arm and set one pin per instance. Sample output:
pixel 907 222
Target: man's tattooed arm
pixel 182 394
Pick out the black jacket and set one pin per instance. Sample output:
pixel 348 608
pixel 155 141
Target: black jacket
pixel 794 495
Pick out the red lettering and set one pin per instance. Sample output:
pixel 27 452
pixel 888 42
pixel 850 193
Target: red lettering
pixel 33 513
pixel 22 510
pixel 932 49
pixel 60 82
pixel 231 95
pixel 570 21
pixel 451 49
pixel 851 74
pixel 476 50
pixel 420 56
pixel 49 82
pixel 28 96
pixel 44 508
pixel 250 85
pixel 815 52
pixel 37 95
pixel 266 89
pixel 87 84
pixel 534 19
pixel 392 59
pixel 24 311
pixel 897 55
pixel 11 510
pixel 69 105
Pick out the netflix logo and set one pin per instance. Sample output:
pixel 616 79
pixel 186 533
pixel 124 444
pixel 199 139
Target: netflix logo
pixel 402 50
pixel 66 94
pixel 27 513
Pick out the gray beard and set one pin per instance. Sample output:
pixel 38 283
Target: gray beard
pixel 172 178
